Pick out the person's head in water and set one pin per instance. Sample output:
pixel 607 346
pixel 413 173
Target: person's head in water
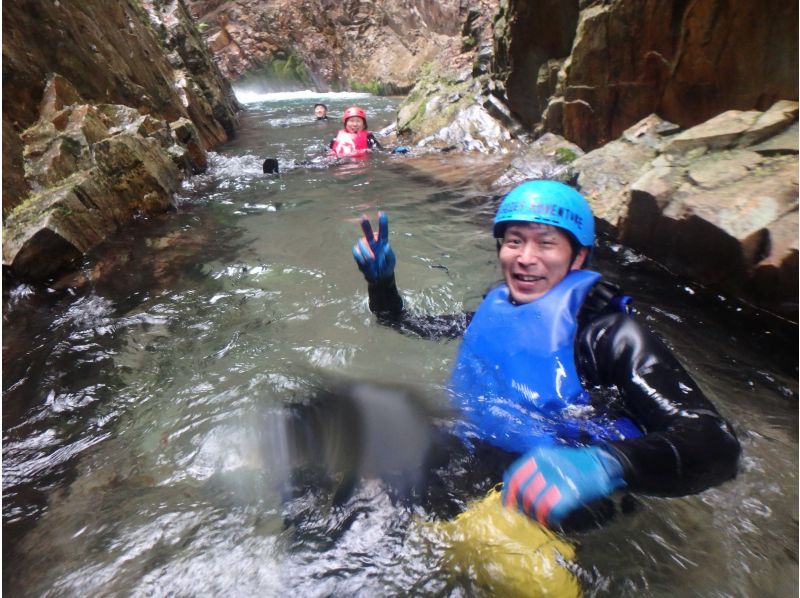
pixel 544 229
pixel 354 119
pixel 321 111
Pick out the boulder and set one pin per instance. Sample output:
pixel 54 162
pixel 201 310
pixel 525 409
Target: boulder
pixel 92 169
pixel 119 54
pixel 717 202
pixel 622 60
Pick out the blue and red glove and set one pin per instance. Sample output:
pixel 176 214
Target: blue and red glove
pixel 372 253
pixel 550 483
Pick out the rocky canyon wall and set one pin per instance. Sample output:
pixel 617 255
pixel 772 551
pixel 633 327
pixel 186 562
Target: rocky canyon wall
pixel 590 69
pixel 106 105
pixel 377 46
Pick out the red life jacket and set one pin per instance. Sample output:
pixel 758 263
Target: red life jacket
pixel 350 144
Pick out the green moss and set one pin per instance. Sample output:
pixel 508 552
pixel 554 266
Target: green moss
pixel 39 204
pixel 286 68
pixel 22 207
pixel 374 87
pixel 564 155
pixel 469 42
pixel 425 70
pixel 63 210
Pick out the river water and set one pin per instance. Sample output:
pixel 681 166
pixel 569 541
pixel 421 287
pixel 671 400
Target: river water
pixel 140 409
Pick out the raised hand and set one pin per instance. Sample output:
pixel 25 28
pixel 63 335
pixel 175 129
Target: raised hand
pixel 372 253
pixel 550 483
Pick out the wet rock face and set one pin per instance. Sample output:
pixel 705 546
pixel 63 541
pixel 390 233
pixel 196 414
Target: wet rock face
pixel 532 40
pixel 111 53
pixel 106 108
pixel 379 46
pixel 91 168
pixel 717 202
pixel 590 75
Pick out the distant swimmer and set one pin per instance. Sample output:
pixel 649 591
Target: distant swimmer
pixel 354 139
pixel 321 111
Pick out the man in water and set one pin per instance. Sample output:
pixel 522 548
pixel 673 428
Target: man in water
pixel 354 139
pixel 321 111
pixel 538 342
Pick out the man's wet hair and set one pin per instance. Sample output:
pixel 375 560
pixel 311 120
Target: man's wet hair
pixel 323 105
pixel 270 166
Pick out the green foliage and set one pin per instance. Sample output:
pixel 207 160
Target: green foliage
pixel 287 68
pixel 469 42
pixel 564 155
pixel 374 87
pixel 202 27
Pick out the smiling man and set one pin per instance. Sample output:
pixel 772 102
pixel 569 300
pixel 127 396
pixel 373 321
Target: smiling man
pixel 537 343
pixel 321 111
pixel 535 257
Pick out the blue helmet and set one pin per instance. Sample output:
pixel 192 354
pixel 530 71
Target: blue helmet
pixel 547 202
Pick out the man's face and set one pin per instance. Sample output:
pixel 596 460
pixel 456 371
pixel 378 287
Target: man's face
pixel 534 258
pixel 354 124
pixel 320 111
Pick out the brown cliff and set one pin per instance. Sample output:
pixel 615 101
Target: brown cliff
pixel 104 106
pixel 378 46
pixel 589 74
pixel 111 54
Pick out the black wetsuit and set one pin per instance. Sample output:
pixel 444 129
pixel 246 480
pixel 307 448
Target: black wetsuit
pixel 686 447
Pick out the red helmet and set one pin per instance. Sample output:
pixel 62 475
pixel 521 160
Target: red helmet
pixel 354 111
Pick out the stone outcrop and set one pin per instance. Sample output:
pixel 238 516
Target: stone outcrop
pixel 455 111
pixel 106 107
pixel 376 46
pixel 92 168
pixel 589 74
pixel 717 202
pixel 719 82
pixel 112 54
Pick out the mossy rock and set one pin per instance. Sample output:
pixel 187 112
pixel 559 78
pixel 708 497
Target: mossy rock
pixel 433 102
pixel 283 67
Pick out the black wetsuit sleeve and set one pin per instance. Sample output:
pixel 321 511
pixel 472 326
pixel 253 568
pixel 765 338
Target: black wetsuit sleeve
pixel 387 305
pixel 373 143
pixel 687 446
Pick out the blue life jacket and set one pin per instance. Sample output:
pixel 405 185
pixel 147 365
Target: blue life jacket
pixel 515 379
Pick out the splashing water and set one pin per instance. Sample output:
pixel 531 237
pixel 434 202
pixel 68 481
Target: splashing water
pixel 167 431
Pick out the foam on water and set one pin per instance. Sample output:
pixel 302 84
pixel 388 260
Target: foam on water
pixel 246 96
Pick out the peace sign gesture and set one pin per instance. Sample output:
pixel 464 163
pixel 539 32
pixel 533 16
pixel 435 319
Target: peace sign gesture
pixel 372 253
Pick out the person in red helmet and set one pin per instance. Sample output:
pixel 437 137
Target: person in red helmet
pixel 354 139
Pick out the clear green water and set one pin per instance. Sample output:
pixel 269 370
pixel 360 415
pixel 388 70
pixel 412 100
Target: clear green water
pixel 135 407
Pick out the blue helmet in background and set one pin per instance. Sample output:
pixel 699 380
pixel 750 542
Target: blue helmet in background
pixel 547 202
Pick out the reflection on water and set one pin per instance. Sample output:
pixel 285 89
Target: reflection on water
pixel 162 414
